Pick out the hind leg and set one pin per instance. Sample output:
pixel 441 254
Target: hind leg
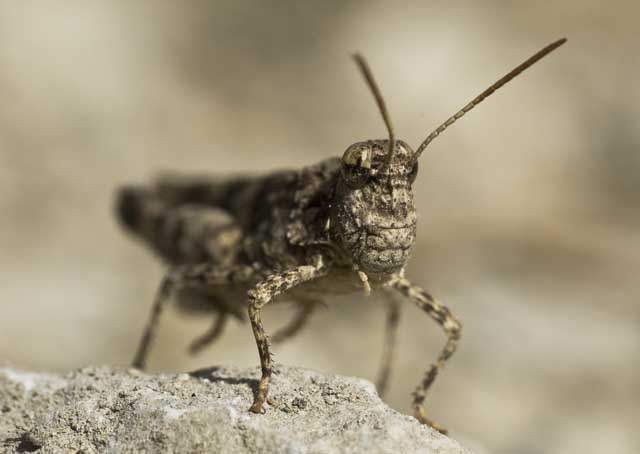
pixel 195 276
pixel 200 242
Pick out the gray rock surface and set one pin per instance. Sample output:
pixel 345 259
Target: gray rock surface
pixel 100 409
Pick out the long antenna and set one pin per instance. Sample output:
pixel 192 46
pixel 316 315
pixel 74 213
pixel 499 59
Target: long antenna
pixel 481 97
pixel 368 76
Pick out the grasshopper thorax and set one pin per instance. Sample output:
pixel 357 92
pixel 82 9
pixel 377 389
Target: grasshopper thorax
pixel 373 218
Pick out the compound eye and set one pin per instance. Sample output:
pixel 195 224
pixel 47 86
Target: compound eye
pixel 355 176
pixel 413 173
pixel 356 166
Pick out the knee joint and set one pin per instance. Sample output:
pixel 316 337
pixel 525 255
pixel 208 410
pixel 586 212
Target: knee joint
pixel 453 327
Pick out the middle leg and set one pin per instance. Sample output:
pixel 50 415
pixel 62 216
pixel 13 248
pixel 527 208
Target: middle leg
pixel 211 335
pixel 390 339
pixel 297 323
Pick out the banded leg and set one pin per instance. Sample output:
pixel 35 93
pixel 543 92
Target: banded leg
pixel 452 328
pixel 389 348
pixel 198 276
pixel 295 325
pixel 210 335
pixel 162 297
pixel 263 293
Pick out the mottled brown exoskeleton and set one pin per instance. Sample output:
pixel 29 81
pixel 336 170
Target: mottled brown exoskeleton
pixel 343 225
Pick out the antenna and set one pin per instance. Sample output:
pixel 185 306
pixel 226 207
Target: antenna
pixel 481 97
pixel 368 76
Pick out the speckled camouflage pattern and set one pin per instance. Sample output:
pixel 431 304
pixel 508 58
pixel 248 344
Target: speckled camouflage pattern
pixel 340 226
pixel 303 234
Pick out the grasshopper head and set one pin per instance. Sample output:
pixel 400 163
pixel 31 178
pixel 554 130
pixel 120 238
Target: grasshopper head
pixel 373 218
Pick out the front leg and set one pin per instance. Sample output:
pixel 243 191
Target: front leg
pixel 263 293
pixel 452 328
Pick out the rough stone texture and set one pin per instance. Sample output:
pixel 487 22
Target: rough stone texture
pixel 99 409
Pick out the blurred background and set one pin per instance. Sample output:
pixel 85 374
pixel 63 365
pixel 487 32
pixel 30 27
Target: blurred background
pixel 530 220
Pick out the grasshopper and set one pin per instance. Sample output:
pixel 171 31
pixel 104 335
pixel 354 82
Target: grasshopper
pixel 235 244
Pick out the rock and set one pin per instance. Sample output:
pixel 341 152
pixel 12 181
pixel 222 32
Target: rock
pixel 100 409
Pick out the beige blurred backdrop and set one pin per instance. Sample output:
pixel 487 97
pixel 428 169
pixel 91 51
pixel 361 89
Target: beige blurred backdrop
pixel 530 220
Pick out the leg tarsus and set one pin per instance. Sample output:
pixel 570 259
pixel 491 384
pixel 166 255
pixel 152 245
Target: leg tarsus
pixel 421 415
pixel 266 359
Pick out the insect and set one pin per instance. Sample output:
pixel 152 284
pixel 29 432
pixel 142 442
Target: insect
pixel 236 244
